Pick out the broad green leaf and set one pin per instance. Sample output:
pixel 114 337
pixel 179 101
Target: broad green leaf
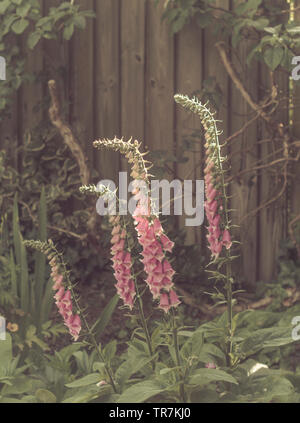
pixel 20 25
pixel 33 39
pixel 265 338
pixel 79 21
pixel 141 391
pixel 68 31
pixel 3 6
pixel 211 353
pixel 103 320
pixel 110 350
pixel 45 396
pixel 23 9
pixel 21 385
pixel 90 379
pixel 135 362
pixel 84 395
pixel 205 376
pixel 273 56
pixel 192 347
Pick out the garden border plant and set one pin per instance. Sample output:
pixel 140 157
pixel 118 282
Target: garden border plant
pixel 172 362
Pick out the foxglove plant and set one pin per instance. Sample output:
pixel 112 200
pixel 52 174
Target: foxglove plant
pixel 216 204
pixel 65 297
pixel 151 237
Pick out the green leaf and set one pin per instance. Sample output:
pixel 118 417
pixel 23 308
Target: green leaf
pixel 246 7
pixel 40 260
pixel 211 353
pixel 47 302
pixel 68 31
pixel 79 21
pixel 141 391
pixel 24 278
pixel 20 25
pixel 90 379
pixel 23 9
pixel 33 39
pixel 84 395
pixel 3 6
pixel 13 274
pixel 110 350
pixel 5 351
pixel 103 320
pixel 45 396
pixel 273 56
pixel 135 362
pixel 16 230
pixel 205 376
pixel 265 338
pixel 192 347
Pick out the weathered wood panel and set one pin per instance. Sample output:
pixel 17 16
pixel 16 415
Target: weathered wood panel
pixel 107 87
pixel 133 26
pixel 189 76
pixel 118 77
pixel 82 83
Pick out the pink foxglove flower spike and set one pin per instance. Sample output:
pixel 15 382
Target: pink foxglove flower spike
pixel 151 237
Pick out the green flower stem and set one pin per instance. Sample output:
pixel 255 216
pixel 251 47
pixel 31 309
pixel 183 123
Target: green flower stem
pixel 177 354
pixel 140 305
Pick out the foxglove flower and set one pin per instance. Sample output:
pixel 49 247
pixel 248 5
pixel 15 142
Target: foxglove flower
pixel 64 301
pixel 122 265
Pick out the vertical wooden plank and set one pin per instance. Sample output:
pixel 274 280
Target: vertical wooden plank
pixel 132 70
pixel 189 75
pixel 56 66
pixel 272 219
pixel 213 68
pixel 82 83
pixel 159 87
pixel 107 84
pixel 159 83
pixel 243 155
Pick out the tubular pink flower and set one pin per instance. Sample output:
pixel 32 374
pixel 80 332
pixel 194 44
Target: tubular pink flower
pixel 64 302
pixel 226 239
pixel 155 244
pixel 168 300
pixel 122 263
pixel 58 282
pixel 73 323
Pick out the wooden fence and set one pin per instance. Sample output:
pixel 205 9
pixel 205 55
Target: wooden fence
pixel 119 76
